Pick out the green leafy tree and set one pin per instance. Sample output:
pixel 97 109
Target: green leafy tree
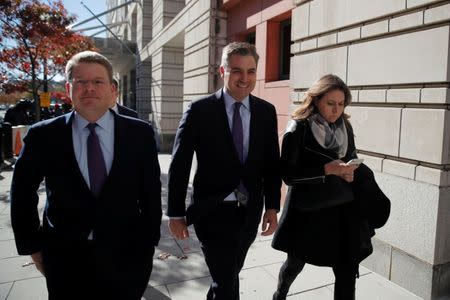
pixel 35 45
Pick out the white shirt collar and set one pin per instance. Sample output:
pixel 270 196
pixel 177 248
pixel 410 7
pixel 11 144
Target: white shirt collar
pixel 115 108
pixel 104 122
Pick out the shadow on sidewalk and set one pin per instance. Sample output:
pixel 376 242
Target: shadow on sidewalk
pixel 154 294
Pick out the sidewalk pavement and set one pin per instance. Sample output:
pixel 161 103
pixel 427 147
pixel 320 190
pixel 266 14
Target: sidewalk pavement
pixel 179 271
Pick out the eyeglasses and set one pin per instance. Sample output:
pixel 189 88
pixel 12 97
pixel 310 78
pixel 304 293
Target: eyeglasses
pixel 85 83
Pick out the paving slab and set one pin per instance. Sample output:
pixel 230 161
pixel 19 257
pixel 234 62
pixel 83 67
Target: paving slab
pixel 4 290
pixel 374 287
pixel 256 284
pixel 4 206
pixel 310 278
pixel 174 270
pixel 156 293
pixel 190 245
pixel 13 269
pixel 5 181
pixel 8 249
pixel 31 289
pixel 168 246
pixel 261 253
pixel 165 232
pixel 6 232
pixel 192 289
pixel 317 294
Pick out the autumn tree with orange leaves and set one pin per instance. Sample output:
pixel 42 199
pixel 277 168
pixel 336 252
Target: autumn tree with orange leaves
pixel 35 45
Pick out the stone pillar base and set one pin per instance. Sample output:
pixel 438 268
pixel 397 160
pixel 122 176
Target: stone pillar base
pixel 431 282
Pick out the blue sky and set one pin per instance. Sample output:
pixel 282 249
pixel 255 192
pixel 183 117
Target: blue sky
pixel 97 6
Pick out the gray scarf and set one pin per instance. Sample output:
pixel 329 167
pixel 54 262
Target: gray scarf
pixel 330 136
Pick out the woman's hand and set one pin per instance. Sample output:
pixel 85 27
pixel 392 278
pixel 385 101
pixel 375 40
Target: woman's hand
pixel 341 169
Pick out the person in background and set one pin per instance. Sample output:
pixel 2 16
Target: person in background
pixel 19 113
pixel 234 135
pixel 325 221
pixel 58 111
pixel 66 107
pixel 99 228
pixel 120 109
pixel 125 111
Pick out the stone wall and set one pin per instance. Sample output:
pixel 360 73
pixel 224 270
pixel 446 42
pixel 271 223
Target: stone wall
pixel 394 55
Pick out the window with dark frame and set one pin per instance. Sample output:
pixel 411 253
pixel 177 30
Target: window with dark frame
pixel 285 49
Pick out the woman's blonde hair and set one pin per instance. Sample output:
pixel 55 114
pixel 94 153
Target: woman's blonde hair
pixel 319 88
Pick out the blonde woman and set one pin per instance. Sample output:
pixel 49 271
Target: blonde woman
pixel 323 222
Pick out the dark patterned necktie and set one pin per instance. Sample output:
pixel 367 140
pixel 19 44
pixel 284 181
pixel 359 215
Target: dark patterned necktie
pixel 238 132
pixel 96 163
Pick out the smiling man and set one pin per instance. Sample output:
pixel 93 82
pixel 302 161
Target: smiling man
pixel 234 135
pixel 100 226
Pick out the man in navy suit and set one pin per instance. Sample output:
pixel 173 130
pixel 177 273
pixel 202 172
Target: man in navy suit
pixel 234 135
pixel 125 111
pixel 120 109
pixel 103 211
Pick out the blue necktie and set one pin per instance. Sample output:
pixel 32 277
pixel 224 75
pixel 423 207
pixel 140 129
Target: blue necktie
pixel 96 163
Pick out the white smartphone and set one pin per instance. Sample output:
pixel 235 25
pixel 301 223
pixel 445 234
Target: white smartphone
pixel 355 161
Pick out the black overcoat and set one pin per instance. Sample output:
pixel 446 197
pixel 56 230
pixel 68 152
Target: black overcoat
pixel 312 227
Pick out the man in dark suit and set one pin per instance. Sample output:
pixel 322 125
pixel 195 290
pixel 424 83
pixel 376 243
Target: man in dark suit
pixel 234 136
pixel 125 111
pixel 103 211
pixel 120 109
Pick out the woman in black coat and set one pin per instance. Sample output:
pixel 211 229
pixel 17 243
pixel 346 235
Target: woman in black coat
pixel 322 221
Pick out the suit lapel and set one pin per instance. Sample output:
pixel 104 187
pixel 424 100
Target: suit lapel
pixel 67 137
pixel 119 135
pixel 253 127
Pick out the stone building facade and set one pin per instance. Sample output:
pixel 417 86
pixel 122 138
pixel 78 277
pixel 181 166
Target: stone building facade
pixel 393 54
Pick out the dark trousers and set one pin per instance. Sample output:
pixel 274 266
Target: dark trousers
pixel 345 279
pixel 225 238
pixel 82 272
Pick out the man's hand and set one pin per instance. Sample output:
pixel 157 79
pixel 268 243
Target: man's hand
pixel 178 228
pixel 38 262
pixel 270 217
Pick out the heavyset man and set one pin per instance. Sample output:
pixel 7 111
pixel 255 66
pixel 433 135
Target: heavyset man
pixel 103 211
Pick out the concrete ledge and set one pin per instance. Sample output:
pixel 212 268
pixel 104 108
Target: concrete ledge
pixel 374 163
pixel 403 95
pixel 405 21
pixel 380 260
pixel 435 95
pixel 438 13
pixel 349 35
pixel 423 279
pixel 399 168
pixel 412 273
pixel 372 95
pixel 308 44
pixel 375 28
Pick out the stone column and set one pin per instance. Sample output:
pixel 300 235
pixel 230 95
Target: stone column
pixel 143 89
pixel 167 90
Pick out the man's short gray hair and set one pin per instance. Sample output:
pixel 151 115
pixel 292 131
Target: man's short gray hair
pixel 239 48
